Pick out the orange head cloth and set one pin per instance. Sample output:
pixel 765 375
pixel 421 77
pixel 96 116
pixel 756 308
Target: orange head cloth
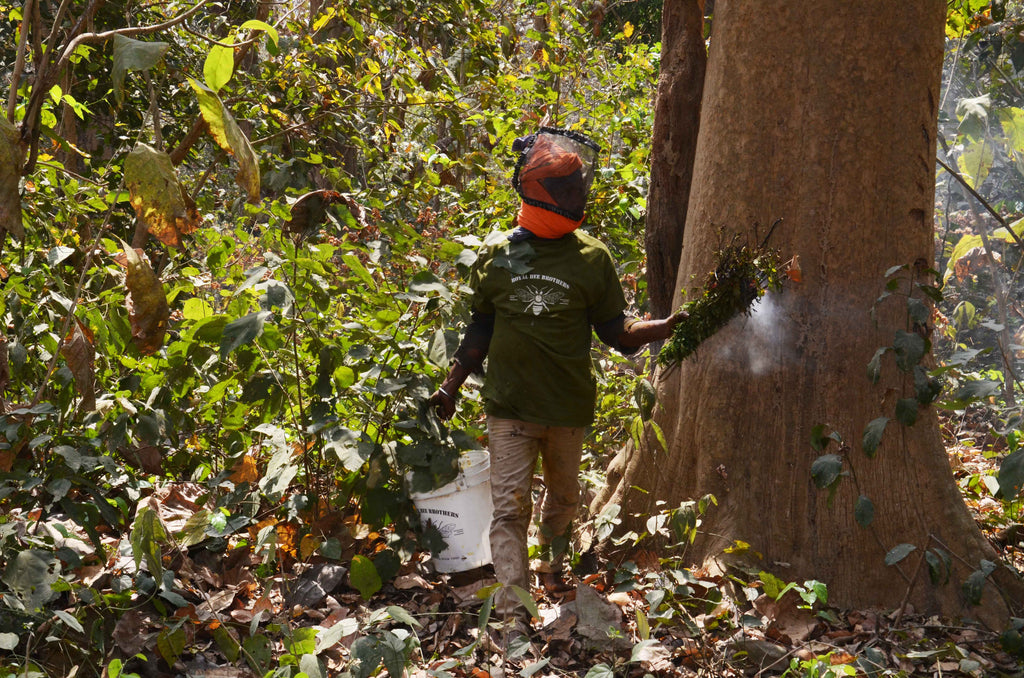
pixel 549 166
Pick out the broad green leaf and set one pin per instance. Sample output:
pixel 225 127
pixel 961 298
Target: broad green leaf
pixel 926 387
pixel 328 638
pixel 363 577
pixel 196 309
pixel 226 133
pixel 133 55
pixel 645 397
pixel 170 644
pixel 30 576
pixel 872 437
pixel 972 391
pixel 771 585
pixel 159 199
pixel 11 157
pixel 257 25
pixel 973 116
pixel 367 655
pixel 400 614
pixel 940 566
pixel 242 331
pixel 826 469
pixel 301 641
pixel 219 66
pixel 1011 475
pixel 975 162
pixel 910 348
pixel 356 266
pixel 147 535
pixel 600 671
pixel 864 511
pixel 898 553
pixel 974 587
pixel 906 411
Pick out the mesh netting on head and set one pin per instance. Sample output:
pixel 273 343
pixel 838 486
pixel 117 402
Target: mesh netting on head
pixel 555 170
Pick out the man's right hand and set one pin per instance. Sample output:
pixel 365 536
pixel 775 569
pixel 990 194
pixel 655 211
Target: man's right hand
pixel 443 403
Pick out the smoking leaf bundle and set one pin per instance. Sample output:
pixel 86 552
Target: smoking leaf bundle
pixel 742 275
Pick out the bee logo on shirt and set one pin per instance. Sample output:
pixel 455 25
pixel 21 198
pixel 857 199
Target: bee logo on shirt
pixel 538 299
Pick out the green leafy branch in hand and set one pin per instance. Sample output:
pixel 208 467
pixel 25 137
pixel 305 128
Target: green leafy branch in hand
pixel 742 275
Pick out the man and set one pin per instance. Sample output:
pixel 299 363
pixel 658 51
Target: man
pixel 536 299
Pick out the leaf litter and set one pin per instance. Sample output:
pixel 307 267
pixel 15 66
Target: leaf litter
pixel 228 609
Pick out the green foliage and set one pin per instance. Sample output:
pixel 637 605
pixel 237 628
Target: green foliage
pixel 742 275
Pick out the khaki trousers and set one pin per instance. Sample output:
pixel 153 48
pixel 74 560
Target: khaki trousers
pixel 515 446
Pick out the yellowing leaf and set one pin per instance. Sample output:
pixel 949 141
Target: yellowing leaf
pixel 257 25
pixel 975 162
pixel 10 173
pixel 147 303
pixel 160 201
pixel 226 133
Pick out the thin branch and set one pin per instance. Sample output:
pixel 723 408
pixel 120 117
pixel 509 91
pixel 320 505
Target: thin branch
pixel 984 203
pixel 19 63
pixel 125 32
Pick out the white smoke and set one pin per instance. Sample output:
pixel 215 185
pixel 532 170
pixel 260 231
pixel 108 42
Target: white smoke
pixel 762 343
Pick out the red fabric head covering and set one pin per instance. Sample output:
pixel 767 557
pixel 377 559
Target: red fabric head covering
pixel 551 175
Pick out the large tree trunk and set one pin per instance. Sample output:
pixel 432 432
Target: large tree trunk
pixel 826 119
pixel 676 121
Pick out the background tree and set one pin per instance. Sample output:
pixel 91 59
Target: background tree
pixel 673 142
pixel 828 122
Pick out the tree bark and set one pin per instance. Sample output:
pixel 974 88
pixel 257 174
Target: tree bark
pixel 825 119
pixel 676 121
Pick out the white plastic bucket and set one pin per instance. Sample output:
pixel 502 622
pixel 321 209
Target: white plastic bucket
pixel 461 511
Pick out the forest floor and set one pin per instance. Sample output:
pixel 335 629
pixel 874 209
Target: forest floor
pixel 642 617
pixel 247 615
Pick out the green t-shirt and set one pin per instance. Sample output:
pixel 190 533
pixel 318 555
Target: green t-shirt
pixel 539 367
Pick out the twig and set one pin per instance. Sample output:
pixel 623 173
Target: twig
pixel 984 203
pixel 19 62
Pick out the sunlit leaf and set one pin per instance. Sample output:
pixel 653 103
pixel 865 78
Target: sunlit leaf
pixel 147 302
pixel 219 66
pixel 973 115
pixel 160 201
pixel 242 331
pixel 133 55
pixel 975 162
pixel 11 157
pixel 226 133
pixel 363 577
pixel 257 25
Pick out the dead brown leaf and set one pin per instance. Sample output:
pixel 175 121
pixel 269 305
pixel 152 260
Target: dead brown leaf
pixel 147 303
pixel 77 350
